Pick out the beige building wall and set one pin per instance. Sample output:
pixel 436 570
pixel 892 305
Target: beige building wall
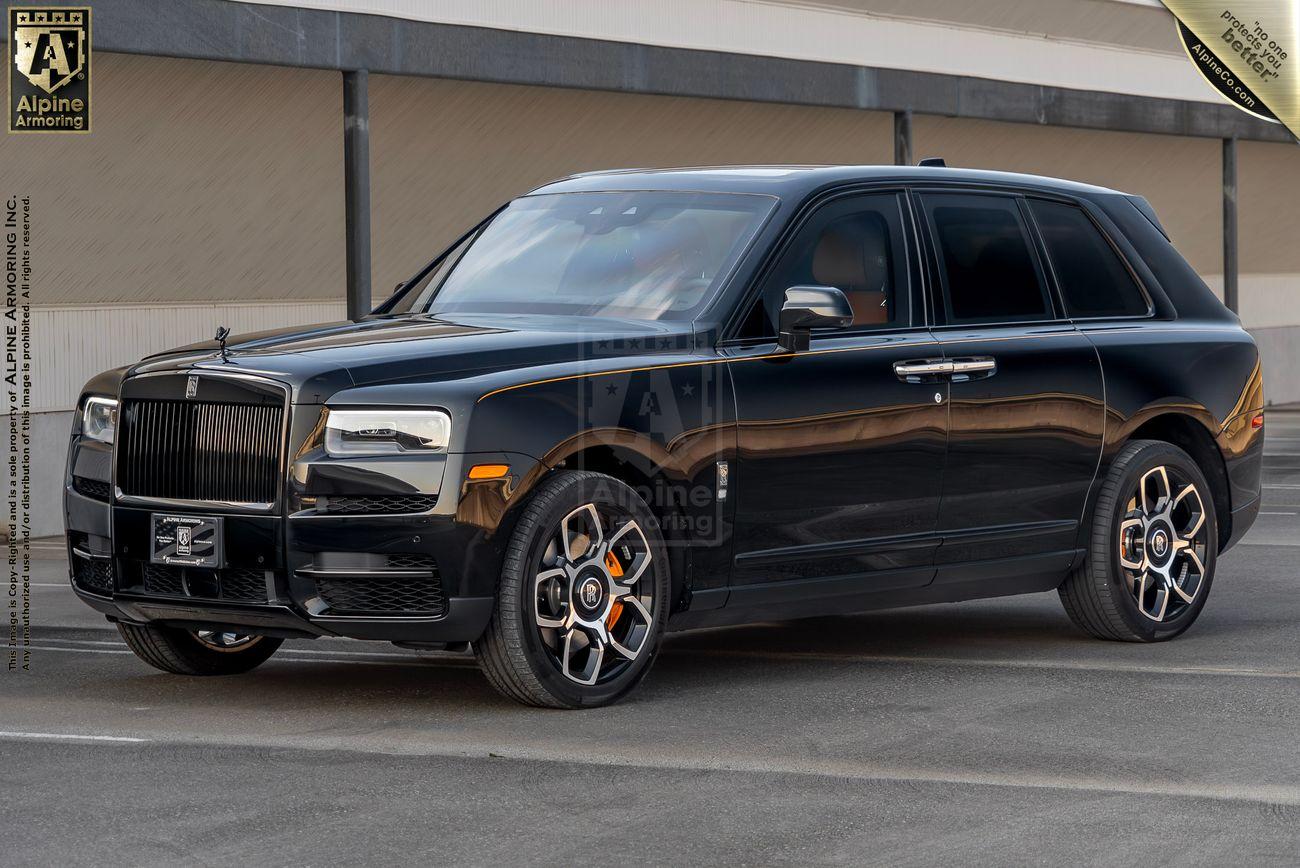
pixel 445 153
pixel 200 182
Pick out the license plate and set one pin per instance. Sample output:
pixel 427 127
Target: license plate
pixel 187 540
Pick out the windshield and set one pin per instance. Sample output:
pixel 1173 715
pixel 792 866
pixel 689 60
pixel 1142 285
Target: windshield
pixel 633 255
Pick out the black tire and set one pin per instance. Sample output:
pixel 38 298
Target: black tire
pixel 181 652
pixel 1101 596
pixel 513 652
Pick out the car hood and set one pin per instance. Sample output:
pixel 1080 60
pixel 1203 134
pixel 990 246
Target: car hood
pixel 319 360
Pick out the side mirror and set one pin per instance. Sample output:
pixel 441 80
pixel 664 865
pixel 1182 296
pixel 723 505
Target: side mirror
pixel 807 308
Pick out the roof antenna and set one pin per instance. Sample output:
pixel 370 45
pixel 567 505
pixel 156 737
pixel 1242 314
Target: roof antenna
pixel 936 162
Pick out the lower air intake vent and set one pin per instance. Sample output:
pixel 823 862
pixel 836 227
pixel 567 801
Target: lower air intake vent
pixel 247 585
pixel 93 574
pixel 377 594
pixel 90 487
pixel 234 584
pixel 159 579
pixel 411 562
pixel 376 504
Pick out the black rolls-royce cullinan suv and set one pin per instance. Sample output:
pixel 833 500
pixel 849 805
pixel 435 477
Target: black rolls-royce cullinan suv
pixel 646 400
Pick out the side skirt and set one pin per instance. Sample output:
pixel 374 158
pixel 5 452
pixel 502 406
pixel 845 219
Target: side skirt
pixel 844 595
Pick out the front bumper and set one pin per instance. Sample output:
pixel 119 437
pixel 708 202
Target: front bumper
pixel 455 550
pixel 109 545
pixel 395 547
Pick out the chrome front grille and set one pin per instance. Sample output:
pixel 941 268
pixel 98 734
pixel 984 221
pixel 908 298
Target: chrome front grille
pixel 197 450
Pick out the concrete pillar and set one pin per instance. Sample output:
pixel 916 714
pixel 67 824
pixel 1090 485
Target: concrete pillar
pixel 356 186
pixel 1230 225
pixel 903 138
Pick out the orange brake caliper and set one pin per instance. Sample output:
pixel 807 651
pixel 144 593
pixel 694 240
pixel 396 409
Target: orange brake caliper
pixel 615 608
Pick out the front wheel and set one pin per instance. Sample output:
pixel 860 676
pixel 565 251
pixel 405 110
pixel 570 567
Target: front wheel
pixel 197 652
pixel 583 596
pixel 1152 551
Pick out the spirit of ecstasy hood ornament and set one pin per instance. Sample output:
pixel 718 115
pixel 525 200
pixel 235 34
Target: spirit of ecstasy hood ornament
pixel 222 334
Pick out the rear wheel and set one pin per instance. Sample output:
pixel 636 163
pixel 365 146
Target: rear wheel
pixel 583 596
pixel 1152 552
pixel 197 652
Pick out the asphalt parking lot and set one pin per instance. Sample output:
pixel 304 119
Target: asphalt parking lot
pixel 989 732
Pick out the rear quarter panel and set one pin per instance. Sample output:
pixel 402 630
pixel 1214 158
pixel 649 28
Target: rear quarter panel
pixel 1208 371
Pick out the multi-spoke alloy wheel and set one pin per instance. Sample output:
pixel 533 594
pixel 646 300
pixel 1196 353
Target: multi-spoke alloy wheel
pixel 582 598
pixel 1154 540
pixel 1162 541
pixel 197 652
pixel 592 609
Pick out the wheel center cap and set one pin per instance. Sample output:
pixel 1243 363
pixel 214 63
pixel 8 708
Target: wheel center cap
pixel 1160 543
pixel 589 593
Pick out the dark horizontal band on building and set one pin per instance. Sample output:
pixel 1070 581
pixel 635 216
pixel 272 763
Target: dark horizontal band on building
pixel 322 39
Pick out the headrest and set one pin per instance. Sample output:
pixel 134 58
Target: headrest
pixel 852 255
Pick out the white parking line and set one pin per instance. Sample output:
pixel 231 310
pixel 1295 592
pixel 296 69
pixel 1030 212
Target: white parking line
pixel 292 655
pixel 1279 513
pixel 549 750
pixel 70 736
pixel 999 663
pixel 35 647
pixel 409 658
pixel 116 644
pixel 358 658
pixel 311 651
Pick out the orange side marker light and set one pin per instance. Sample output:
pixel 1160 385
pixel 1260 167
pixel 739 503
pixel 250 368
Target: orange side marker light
pixel 1257 422
pixel 488 471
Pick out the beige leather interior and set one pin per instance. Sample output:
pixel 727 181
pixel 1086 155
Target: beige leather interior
pixel 856 263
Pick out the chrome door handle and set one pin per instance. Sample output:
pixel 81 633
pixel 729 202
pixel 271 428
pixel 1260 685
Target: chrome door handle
pixel 922 370
pixel 973 368
pixel 977 365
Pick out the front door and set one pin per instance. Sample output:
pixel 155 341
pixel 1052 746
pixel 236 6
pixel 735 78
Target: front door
pixel 840 454
pixel 1027 406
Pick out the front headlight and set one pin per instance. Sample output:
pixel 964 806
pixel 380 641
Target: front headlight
pixel 385 432
pixel 99 419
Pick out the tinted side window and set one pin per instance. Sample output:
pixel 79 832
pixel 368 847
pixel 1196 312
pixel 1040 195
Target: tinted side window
pixel 987 268
pixel 1093 279
pixel 854 244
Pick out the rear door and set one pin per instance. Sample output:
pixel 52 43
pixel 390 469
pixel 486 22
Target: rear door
pixel 1026 405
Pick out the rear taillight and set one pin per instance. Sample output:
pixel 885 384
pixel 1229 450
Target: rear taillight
pixel 1257 422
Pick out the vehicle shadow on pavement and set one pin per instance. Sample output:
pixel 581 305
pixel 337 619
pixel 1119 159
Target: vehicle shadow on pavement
pixel 311 677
